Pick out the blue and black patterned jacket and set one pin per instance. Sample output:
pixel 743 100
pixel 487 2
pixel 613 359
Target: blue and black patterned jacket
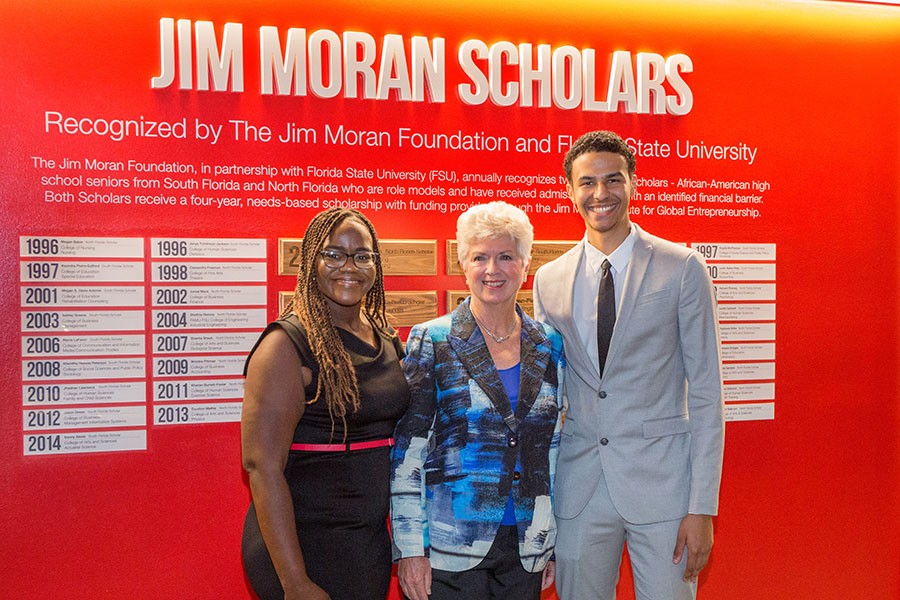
pixel 459 448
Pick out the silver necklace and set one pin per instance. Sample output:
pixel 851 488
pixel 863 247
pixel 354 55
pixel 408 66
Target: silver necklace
pixel 498 339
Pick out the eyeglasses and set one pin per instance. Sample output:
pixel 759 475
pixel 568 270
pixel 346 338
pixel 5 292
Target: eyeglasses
pixel 335 259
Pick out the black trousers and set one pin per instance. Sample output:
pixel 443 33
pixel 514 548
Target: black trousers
pixel 500 576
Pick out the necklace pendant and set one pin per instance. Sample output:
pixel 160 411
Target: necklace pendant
pixel 498 339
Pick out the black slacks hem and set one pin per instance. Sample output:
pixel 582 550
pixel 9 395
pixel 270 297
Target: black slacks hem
pixel 500 576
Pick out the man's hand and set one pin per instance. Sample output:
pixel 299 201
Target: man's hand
pixel 695 536
pixel 414 574
pixel 549 577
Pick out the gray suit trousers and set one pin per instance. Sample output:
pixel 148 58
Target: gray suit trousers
pixel 589 555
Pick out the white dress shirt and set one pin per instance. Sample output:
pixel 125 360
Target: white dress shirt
pixel 587 282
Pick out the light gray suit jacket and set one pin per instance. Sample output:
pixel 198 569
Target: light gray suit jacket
pixel 654 424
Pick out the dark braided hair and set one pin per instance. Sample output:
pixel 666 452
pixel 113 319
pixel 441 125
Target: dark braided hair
pixel 337 379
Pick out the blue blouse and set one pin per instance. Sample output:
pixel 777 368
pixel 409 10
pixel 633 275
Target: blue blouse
pixel 510 379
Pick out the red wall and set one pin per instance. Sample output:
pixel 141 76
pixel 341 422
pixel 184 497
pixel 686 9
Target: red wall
pixel 809 498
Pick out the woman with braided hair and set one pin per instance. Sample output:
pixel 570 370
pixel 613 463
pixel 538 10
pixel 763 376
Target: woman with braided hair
pixel 323 392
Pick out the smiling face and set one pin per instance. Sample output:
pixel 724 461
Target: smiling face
pixel 346 287
pixel 601 189
pixel 494 271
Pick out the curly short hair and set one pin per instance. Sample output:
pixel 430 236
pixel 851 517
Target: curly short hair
pixel 598 141
pixel 494 220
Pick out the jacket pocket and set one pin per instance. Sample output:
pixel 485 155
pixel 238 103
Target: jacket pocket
pixel 667 426
pixel 653 296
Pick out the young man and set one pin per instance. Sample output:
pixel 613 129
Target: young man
pixel 640 457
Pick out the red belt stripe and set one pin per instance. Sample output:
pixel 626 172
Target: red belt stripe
pixel 342 447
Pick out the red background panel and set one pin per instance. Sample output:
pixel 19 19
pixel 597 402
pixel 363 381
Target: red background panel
pixel 809 499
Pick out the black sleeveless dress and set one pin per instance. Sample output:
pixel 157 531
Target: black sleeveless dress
pixel 341 499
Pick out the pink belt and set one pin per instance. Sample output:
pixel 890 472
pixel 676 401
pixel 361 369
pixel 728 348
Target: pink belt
pixel 342 447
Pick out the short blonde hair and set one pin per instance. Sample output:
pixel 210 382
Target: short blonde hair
pixel 494 220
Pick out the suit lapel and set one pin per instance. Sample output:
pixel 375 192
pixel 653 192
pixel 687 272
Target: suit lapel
pixel 634 275
pixel 468 344
pixel 575 349
pixel 576 353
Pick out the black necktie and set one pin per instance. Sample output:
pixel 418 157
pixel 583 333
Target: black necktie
pixel 606 313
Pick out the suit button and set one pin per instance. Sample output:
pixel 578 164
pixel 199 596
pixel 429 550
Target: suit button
pixel 603 441
pixel 516 475
pixel 512 442
pixel 602 394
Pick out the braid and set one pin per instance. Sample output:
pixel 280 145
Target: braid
pixel 375 305
pixel 337 379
